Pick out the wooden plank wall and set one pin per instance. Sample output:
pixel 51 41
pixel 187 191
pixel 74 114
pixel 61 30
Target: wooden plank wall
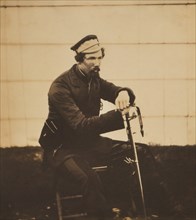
pixel 150 47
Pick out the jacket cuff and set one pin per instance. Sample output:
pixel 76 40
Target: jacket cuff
pixel 113 121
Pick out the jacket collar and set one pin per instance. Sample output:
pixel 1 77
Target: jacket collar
pixel 76 76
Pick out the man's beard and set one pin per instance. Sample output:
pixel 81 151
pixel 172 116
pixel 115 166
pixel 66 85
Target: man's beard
pixel 95 71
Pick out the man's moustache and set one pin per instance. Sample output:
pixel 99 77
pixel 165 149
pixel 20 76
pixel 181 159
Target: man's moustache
pixel 95 72
pixel 96 69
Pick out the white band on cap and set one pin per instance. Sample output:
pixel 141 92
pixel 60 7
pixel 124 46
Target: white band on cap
pixel 89 46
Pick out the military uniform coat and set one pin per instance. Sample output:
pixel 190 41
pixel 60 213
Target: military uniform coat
pixel 75 101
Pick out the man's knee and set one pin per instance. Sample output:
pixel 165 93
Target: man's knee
pixel 120 151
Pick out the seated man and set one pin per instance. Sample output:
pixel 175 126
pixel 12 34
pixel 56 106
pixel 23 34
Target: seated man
pixel 74 107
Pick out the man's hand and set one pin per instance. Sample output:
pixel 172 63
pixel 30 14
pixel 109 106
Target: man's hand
pixel 122 102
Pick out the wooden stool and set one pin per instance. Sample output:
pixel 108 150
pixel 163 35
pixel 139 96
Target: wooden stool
pixel 64 210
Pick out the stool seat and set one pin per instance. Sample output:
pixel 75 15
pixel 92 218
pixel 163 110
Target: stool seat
pixel 65 212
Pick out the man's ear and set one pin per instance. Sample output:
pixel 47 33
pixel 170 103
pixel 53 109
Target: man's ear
pixel 79 57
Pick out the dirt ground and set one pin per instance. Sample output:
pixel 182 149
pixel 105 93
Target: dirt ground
pixel 27 192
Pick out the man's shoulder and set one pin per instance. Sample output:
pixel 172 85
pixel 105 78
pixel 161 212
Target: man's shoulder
pixel 61 81
pixel 63 77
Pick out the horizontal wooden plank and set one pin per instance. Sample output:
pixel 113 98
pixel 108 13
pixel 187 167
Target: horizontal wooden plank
pixel 158 24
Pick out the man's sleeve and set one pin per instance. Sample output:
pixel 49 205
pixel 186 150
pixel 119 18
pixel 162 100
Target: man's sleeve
pixel 109 91
pixel 77 121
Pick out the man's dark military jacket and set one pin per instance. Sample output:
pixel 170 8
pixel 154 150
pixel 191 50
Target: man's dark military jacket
pixel 75 101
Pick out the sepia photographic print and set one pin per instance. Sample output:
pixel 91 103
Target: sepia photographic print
pixel 97 118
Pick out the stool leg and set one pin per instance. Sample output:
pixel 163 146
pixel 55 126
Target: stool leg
pixel 59 206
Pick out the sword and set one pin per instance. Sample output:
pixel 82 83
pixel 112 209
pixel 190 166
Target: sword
pixel 130 139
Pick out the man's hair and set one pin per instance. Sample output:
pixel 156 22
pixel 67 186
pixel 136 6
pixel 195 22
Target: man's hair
pixel 80 56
